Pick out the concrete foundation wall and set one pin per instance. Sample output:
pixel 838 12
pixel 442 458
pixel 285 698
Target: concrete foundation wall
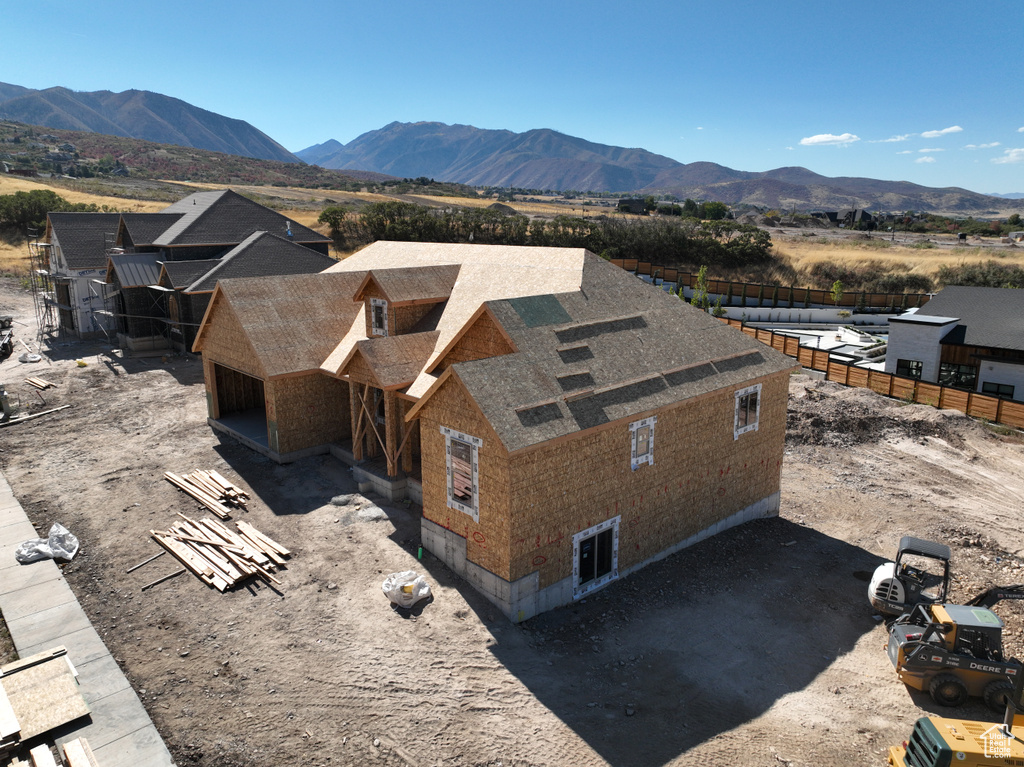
pixel 522 599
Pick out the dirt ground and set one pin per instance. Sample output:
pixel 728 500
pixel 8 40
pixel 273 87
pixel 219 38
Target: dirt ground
pixel 755 648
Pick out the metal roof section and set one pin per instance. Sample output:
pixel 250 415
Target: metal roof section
pixel 135 270
pixel 923 319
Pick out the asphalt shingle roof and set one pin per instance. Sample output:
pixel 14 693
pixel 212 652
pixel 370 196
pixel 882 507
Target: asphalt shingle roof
pixel 989 317
pixel 181 274
pixel 262 255
pixel 226 217
pixel 144 228
pixel 83 237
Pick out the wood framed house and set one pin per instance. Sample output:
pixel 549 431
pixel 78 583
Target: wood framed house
pixel 561 422
pixel 78 246
pixel 965 337
pixel 205 226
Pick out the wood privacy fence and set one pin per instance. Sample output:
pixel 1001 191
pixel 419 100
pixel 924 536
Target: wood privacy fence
pixel 775 295
pixel 992 409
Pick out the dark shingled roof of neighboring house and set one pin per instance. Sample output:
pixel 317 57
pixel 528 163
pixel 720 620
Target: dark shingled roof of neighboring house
pixel 144 228
pixel 180 274
pixel 83 237
pixel 226 217
pixel 989 317
pixel 262 255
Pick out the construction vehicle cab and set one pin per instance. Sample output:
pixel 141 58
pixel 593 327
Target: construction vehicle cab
pixel 920 574
pixel 951 652
pixel 940 742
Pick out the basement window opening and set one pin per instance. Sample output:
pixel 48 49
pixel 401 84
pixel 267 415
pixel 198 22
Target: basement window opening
pixel 748 406
pixel 595 560
pixel 463 467
pixel 642 437
pixel 379 316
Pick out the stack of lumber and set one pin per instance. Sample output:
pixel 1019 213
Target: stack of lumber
pixel 222 558
pixel 10 730
pixel 38 694
pixel 39 383
pixel 211 490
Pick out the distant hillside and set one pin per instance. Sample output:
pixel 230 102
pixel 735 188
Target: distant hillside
pixel 139 114
pixel 546 159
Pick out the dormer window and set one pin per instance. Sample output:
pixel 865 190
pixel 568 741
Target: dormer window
pixel 379 316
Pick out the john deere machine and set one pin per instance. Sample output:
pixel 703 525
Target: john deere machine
pixel 919 574
pixel 940 742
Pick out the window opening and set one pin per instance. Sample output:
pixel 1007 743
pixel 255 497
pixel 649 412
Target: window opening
pixel 748 406
pixel 908 368
pixel 461 456
pixel 958 376
pixel 642 436
pixel 379 316
pixel 997 389
pixel 595 557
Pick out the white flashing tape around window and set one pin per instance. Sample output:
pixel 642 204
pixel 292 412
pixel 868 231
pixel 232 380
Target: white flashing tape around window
pixel 641 436
pixel 742 408
pixel 472 445
pixel 581 590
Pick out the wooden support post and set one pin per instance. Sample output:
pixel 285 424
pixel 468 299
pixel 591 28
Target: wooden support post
pixel 357 420
pixel 407 440
pixel 391 446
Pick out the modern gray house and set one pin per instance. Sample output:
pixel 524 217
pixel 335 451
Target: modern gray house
pixel 965 337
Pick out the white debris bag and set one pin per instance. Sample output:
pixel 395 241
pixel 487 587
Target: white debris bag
pixel 61 544
pixel 405 588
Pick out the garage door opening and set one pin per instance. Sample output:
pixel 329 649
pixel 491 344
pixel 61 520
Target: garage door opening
pixel 241 404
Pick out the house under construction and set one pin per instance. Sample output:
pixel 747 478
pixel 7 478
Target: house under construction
pixel 561 422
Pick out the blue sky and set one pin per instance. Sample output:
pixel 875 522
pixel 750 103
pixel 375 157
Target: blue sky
pixel 928 92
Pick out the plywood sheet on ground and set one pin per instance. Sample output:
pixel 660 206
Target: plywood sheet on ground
pixel 44 696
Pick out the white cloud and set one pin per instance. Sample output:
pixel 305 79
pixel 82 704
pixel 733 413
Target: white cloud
pixel 925 159
pixel 1010 156
pixel 829 139
pixel 982 146
pixel 1020 130
pixel 700 127
pixel 789 148
pixel 906 151
pixel 926 151
pixel 892 140
pixel 943 132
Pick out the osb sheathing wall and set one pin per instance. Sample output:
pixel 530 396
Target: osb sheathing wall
pixel 700 475
pixel 486 542
pixel 307 411
pixel 481 340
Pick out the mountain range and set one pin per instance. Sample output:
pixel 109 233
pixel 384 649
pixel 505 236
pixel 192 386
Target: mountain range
pixel 545 159
pixel 138 114
pixel 538 159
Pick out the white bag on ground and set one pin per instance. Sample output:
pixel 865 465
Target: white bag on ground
pixel 61 544
pixel 405 588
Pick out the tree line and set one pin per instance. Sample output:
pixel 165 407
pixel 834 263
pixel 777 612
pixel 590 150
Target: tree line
pixel 24 210
pixel 671 242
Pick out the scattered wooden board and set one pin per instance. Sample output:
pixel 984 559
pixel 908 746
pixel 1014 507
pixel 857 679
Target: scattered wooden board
pixel 78 754
pixel 10 730
pixel 40 383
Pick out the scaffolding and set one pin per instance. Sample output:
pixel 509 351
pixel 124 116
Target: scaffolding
pixel 44 294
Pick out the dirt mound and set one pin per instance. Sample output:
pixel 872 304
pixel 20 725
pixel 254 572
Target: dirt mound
pixel 829 414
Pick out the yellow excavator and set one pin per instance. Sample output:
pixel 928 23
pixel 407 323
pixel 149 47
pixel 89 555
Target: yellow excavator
pixel 939 742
